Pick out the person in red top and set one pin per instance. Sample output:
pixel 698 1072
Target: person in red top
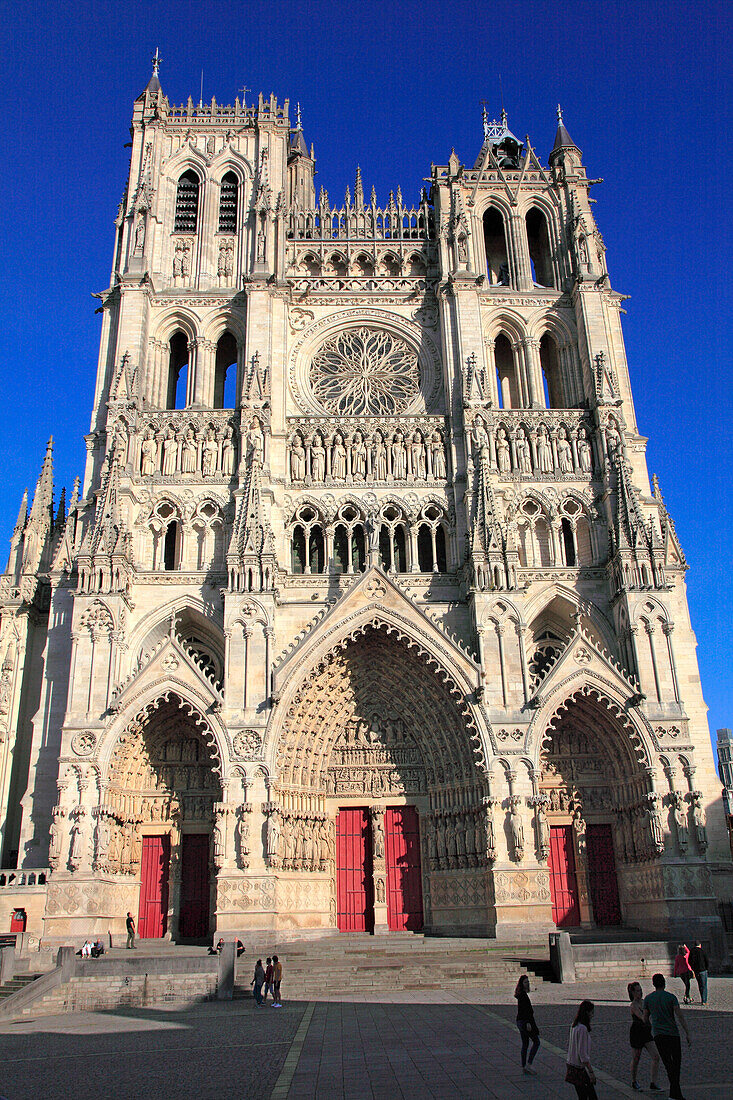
pixel 269 973
pixel 683 970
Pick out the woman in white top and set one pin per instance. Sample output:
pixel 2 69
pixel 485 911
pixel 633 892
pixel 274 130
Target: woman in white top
pixel 579 1070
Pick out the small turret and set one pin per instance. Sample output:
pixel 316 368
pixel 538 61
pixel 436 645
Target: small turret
pixel 564 149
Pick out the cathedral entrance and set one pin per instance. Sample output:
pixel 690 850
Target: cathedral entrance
pixel 354 892
pixel 158 818
pixel 563 877
pixel 152 919
pixel 404 880
pixel 602 880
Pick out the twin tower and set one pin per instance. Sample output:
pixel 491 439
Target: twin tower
pixel 365 616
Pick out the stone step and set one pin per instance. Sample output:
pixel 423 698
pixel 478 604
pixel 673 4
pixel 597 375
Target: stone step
pixel 16 983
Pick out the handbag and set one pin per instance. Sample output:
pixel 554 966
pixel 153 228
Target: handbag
pixel 576 1075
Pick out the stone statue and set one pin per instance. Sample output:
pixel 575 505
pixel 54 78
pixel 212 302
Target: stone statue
pixel 358 457
pixel 256 441
pixel 380 458
pixel 378 835
pixel 54 849
pixel 379 886
pixel 170 450
pixel 399 457
pixel 613 438
pixel 272 837
pixel 417 456
pixel 503 456
pixel 681 823
pixel 148 455
pixel 338 458
pixel 584 452
pixel 76 846
pixel 436 447
pixel 517 828
pixel 544 453
pixel 261 246
pixel 480 438
pixel 227 453
pixel 140 233
pixel 524 458
pixel 564 453
pixel 210 454
pixel 698 818
pixel 186 259
pixel 297 460
pixel 318 459
pixel 189 453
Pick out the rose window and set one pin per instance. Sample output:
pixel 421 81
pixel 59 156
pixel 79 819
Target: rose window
pixel 365 372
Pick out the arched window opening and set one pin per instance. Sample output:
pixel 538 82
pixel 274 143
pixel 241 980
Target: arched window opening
pixel 187 203
pixel 568 541
pixel 497 258
pixel 225 373
pixel 542 537
pixel 425 549
pixel 551 373
pixel 316 551
pixel 400 549
pixel 358 549
pixel 538 239
pixel 298 550
pixel 440 550
pixel 341 549
pixel 177 397
pixel 171 547
pixel 385 549
pixel 506 373
pixel 228 204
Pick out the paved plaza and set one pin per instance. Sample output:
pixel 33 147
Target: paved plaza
pixel 402 1045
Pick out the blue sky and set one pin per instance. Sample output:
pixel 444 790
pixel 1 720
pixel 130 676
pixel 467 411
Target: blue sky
pixel 646 93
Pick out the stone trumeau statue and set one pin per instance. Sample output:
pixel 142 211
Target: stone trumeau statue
pixel 366 544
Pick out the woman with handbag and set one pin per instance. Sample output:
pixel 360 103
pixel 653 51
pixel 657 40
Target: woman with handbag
pixel 683 970
pixel 579 1070
pixel 526 1023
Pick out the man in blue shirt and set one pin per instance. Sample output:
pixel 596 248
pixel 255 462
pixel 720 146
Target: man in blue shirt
pixel 663 1011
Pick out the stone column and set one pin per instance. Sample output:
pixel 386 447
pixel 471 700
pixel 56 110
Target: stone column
pixel 581 872
pixel 379 869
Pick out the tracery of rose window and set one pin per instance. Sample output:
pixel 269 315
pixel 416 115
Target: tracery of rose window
pixel 365 372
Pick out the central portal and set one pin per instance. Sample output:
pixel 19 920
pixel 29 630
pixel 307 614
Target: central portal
pixel 354 889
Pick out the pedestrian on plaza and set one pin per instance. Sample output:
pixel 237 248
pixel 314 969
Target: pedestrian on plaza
pixel 269 971
pixel 579 1070
pixel 130 924
pixel 257 982
pixel 277 977
pixel 526 1023
pixel 683 970
pixel 640 1038
pixel 698 960
pixel 663 1010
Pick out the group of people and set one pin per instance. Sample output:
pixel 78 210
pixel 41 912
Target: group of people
pixel 655 1027
pixel 91 949
pixel 270 978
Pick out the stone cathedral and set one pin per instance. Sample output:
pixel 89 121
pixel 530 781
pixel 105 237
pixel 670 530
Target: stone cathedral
pixel 365 616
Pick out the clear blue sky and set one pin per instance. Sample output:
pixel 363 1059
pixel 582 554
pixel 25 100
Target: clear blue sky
pixel 646 91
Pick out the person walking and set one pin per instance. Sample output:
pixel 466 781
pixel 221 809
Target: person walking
pixel 682 969
pixel 269 971
pixel 698 960
pixel 526 1023
pixel 257 982
pixel 277 977
pixel 640 1038
pixel 663 1010
pixel 130 925
pixel 579 1070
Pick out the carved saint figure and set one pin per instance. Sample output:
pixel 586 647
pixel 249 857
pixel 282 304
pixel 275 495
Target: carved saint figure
pixel 54 850
pixel 338 458
pixel 417 454
pixel 256 441
pixel 480 438
pixel 189 453
pixel 261 246
pixel 524 458
pixel 584 452
pixel 380 458
pixel 297 459
pixel 76 847
pixel 170 449
pixel 378 835
pixel 358 457
pixel 436 447
pixel 318 458
pixel 272 836
pixel 227 453
pixel 140 233
pixel 613 438
pixel 544 452
pixel 399 457
pixel 210 453
pixel 680 820
pixel 148 455
pixel 517 829
pixel 698 817
pixel 503 456
pixel 564 453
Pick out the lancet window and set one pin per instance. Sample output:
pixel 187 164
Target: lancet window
pixel 555 396
pixel 228 203
pixel 307 542
pixel 178 359
pixel 393 540
pixel 431 541
pixel 540 253
pixel 225 373
pixel 187 203
pixel 349 542
pixel 495 244
pixel 507 378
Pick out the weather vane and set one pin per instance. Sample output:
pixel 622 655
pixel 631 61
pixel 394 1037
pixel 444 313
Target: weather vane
pixel 156 59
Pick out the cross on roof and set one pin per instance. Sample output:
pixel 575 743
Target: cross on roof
pixel 244 91
pixel 156 59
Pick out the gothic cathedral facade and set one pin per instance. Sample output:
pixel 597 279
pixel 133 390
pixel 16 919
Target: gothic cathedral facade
pixel 365 616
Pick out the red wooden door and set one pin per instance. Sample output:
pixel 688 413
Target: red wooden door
pixel 152 920
pixel 354 889
pixel 193 921
pixel 404 882
pixel 602 881
pixel 563 879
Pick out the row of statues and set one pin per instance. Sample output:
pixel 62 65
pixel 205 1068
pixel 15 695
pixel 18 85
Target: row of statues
pixel 410 455
pixel 299 842
pixel 207 452
pixel 533 452
pixel 460 839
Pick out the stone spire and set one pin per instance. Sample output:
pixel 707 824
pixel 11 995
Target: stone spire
pixel 105 555
pixel 487 536
pixel 358 190
pixel 153 85
pixel 16 541
pixel 563 139
pixel 251 558
pixel 298 147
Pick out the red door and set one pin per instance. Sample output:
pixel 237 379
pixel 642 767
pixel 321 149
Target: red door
pixel 152 920
pixel 193 922
pixel 602 881
pixel 354 898
pixel 404 882
pixel 563 879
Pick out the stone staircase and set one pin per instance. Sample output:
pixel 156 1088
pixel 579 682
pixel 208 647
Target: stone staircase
pixel 20 981
pixel 352 965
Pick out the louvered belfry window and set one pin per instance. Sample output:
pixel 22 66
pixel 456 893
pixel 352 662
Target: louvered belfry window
pixel 187 203
pixel 228 204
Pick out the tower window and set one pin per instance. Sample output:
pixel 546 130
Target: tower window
pixel 551 374
pixel 497 258
pixel 170 547
pixel 568 541
pixel 506 373
pixel 225 373
pixel 228 204
pixel 187 203
pixel 538 240
pixel 177 372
